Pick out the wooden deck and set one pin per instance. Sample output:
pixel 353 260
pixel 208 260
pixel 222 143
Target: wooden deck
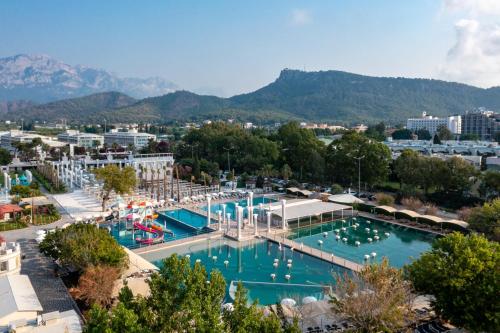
pixel 313 252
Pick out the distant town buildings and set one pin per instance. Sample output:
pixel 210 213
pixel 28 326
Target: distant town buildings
pixel 360 128
pixel 332 128
pixel 485 124
pixel 430 123
pixel 10 138
pixel 126 138
pixel 86 140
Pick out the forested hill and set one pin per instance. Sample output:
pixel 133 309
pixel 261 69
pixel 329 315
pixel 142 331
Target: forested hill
pixel 330 96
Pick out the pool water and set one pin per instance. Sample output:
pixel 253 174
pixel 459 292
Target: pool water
pixel 230 206
pixel 400 246
pixel 187 218
pixel 252 263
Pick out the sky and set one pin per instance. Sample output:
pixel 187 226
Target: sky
pixel 227 47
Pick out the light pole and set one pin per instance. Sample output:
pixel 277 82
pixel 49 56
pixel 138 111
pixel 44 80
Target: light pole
pixel 359 170
pixel 228 160
pixel 359 173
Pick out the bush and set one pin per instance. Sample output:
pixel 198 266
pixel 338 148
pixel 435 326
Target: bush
pixel 336 189
pixel 412 203
pixel 384 199
pixel 82 245
pixel 464 213
pixel 430 209
pixel 486 219
pixel 95 286
pixel 24 191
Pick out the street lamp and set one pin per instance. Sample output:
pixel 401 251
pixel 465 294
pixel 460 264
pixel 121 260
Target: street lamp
pixel 359 171
pixel 228 161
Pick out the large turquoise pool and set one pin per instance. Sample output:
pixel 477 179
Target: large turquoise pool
pixel 230 206
pixel 399 244
pixel 253 264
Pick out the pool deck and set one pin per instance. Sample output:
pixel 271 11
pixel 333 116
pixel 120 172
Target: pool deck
pixel 313 252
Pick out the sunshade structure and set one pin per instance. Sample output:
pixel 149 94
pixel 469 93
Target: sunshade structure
pixel 306 211
pixel 429 219
pixel 344 199
pixel 387 209
pixel 409 213
pixel 298 191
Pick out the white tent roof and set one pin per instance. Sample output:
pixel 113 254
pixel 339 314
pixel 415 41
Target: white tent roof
pixel 293 189
pixel 17 294
pixel 344 198
pixel 307 207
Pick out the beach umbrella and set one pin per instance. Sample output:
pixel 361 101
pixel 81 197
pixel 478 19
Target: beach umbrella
pixel 309 299
pixel 228 307
pixel 288 302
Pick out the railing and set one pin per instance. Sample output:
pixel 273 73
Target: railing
pixel 170 239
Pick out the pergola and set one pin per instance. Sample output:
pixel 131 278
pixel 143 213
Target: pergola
pixel 308 211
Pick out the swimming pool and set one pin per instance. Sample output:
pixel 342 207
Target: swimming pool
pixel 187 218
pixel 230 206
pixel 253 264
pixel 398 243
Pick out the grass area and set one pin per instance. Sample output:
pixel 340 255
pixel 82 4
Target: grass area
pixel 47 184
pixel 45 219
pixel 6 226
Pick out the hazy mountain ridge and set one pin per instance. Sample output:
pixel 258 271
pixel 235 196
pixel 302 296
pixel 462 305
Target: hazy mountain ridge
pixel 325 96
pixel 41 78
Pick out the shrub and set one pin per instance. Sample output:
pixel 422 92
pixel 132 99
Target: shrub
pixel 412 203
pixel 430 209
pixel 336 189
pixel 464 213
pixel 95 286
pixel 384 199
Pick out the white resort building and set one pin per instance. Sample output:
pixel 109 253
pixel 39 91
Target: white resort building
pixel 431 123
pixel 131 137
pixel 10 258
pixel 87 140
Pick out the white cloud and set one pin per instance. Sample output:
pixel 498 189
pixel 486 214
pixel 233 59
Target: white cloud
pixel 474 7
pixel 301 17
pixel 475 56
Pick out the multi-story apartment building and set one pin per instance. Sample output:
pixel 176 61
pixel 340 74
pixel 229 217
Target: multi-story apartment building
pixel 131 137
pixel 87 140
pixel 430 123
pixel 482 123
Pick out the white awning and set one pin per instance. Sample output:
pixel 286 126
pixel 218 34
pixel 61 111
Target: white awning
pixel 344 198
pixel 308 207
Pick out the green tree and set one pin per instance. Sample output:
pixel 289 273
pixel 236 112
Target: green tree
pixel 119 180
pixel 486 219
pixel 98 321
pixel 459 175
pixel 490 184
pixel 423 134
pixel 286 172
pixel 5 157
pixel 469 137
pixel 82 245
pixel 444 133
pixel 376 132
pixel 402 134
pixel 405 167
pixel 342 164
pixel 244 318
pixel 462 273
pixel 436 140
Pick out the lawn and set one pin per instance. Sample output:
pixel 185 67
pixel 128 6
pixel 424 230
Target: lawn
pixel 5 226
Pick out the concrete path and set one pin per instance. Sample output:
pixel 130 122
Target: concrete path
pixel 49 288
pixel 78 204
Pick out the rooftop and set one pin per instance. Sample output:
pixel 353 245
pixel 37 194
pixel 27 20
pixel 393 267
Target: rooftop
pixel 17 294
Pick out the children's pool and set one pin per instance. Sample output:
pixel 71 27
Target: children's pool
pixel 398 243
pixel 178 224
pixel 230 206
pixel 253 264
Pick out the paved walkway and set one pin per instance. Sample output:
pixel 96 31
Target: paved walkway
pixel 79 204
pixel 314 252
pixel 50 289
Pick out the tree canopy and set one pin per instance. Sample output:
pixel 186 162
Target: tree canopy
pixel 486 219
pixel 82 245
pixel 119 180
pixel 462 273
pixel 183 298
pixel 342 164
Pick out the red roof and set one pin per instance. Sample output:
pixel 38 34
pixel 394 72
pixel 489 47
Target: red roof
pixel 9 208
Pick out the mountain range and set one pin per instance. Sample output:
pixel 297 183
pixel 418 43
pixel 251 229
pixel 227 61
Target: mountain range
pixel 41 79
pixel 323 96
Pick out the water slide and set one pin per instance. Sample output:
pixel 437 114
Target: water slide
pixel 157 234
